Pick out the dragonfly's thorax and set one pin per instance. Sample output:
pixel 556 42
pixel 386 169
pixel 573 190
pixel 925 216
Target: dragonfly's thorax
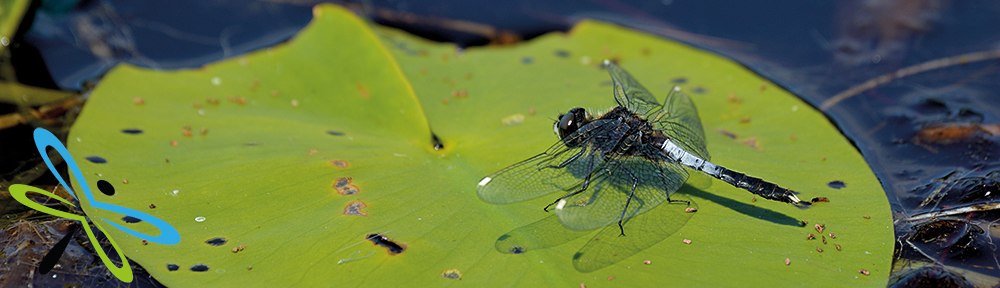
pixel 635 122
pixel 631 137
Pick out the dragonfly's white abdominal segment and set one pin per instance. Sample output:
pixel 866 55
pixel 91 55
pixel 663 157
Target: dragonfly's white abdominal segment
pixel 684 158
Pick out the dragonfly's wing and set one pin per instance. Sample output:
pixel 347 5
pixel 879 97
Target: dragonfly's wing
pixel 679 121
pixel 628 92
pixel 560 168
pixel 603 202
pixel 642 231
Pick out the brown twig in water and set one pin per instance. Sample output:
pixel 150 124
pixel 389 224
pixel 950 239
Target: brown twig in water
pixel 907 71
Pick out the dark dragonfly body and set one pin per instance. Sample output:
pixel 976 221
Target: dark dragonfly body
pixel 635 148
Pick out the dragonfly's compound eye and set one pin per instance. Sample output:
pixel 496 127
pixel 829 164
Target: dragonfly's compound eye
pixel 569 122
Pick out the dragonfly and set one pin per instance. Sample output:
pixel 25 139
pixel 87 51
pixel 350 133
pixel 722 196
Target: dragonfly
pixel 621 163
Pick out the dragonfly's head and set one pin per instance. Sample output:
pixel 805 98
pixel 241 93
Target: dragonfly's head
pixel 569 122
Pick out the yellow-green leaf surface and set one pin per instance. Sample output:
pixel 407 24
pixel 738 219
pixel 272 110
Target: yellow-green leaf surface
pixel 264 172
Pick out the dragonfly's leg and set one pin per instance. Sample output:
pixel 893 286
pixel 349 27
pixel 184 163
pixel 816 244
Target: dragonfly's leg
pixel 570 160
pixel 586 184
pixel 635 182
pixel 668 192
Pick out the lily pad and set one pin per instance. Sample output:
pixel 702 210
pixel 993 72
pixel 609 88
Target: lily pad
pixel 299 154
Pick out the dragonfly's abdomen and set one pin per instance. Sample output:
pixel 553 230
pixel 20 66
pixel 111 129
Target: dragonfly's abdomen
pixel 755 185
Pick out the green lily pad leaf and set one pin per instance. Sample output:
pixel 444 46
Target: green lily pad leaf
pixel 318 155
pixel 13 12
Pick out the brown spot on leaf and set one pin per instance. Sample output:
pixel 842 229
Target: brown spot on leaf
pixel 354 209
pixel 731 135
pixel 238 100
pixel 452 274
pixel 732 98
pixel 340 163
pixel 363 91
pixel 752 142
pixel 344 187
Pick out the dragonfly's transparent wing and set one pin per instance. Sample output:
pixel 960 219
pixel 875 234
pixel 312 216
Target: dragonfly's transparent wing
pixel 603 202
pixel 679 121
pixel 644 231
pixel 628 92
pixel 560 168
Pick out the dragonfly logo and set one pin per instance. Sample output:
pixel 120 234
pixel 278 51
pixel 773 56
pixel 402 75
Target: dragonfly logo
pixel 168 235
